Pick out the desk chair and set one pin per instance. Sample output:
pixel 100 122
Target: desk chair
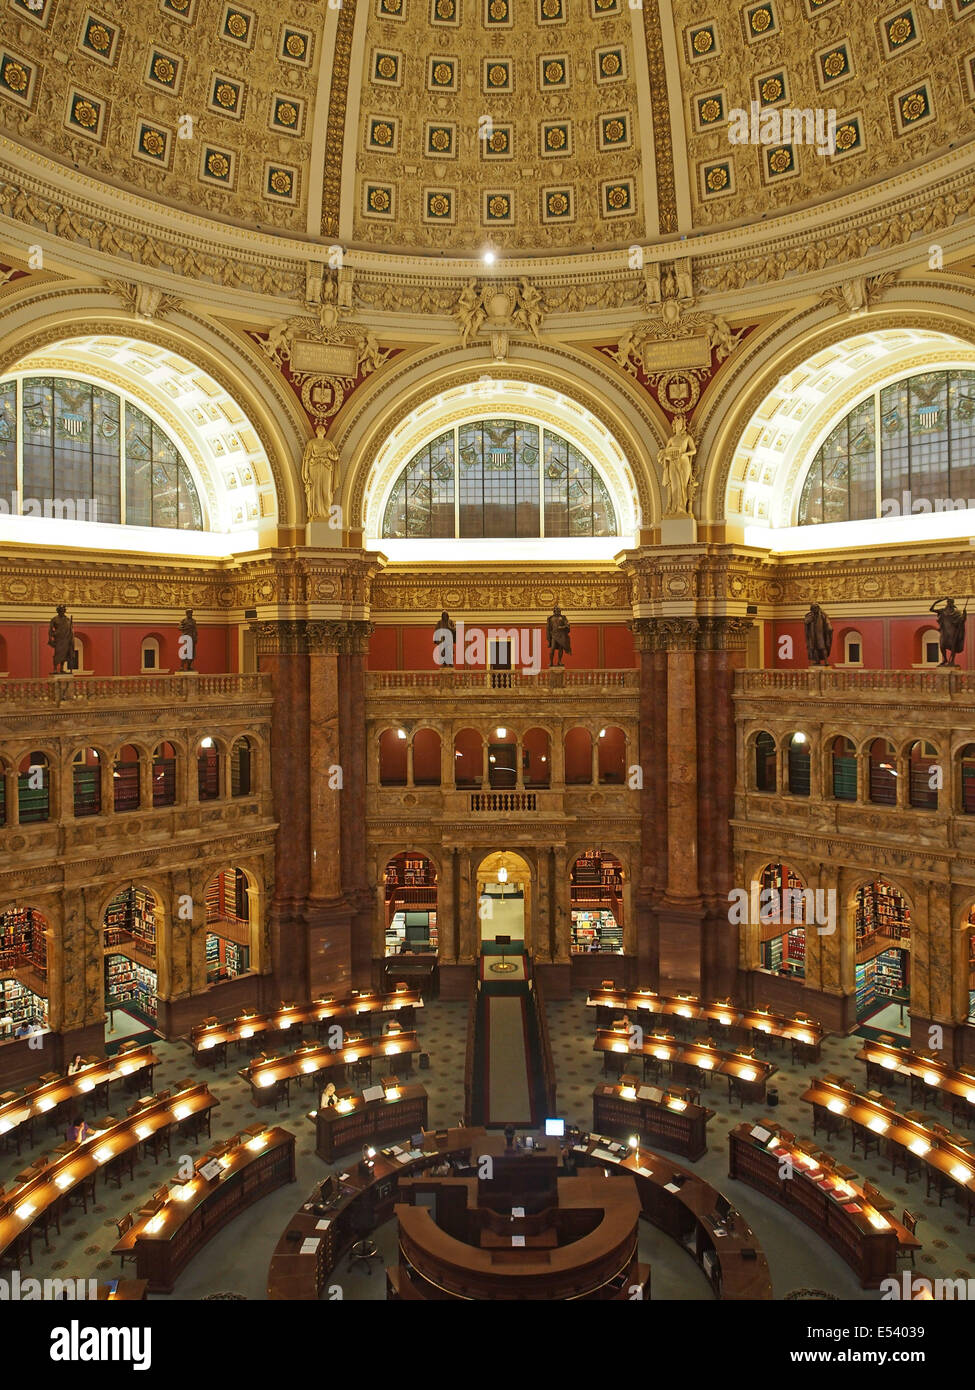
pixel 899 1153
pixel 827 1120
pixel 941 1182
pixel 909 1220
pixel 876 1198
pixel 735 1092
pixel 652 1068
pixel 865 1137
pixel 50 1216
pixel 364 1249
pixel 803 1053
pixel 927 1095
pixel 362 1071
pixel 613 1064
pixel 83 1191
pixel 114 1167
pixel 20 1246
pixel 123 1225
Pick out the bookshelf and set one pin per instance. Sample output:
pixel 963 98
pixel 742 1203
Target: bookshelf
pixel 881 909
pixel 87 790
pixel 595 932
pixel 20 1004
pixel 407 871
pixel 225 958
pixel 34 802
pixel 866 994
pixel 890 973
pixel 597 869
pixel 129 984
pixel 23 944
pixel 396 932
pixel 125 780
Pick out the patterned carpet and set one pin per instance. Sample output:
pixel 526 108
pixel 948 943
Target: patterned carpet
pixel 798 1259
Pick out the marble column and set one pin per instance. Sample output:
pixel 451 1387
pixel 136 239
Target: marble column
pixel 446 914
pixel 466 909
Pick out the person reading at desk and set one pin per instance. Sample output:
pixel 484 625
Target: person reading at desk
pixel 328 1097
pixel 76 1063
pixel 78 1132
pixel 24 1029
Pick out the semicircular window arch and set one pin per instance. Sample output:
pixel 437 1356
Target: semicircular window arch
pixel 925 462
pixel 73 450
pixel 501 479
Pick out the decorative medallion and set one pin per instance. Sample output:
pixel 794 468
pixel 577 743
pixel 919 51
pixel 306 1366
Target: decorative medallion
pixel 99 39
pixel 816 7
pixel 833 64
pixel 438 205
pixel 237 26
pixel 379 200
pixel 295 46
pixel 913 107
pixel 226 97
pixel 443 74
pixel 702 42
pixel 37 11
pixel 391 9
pixel 899 32
pixel 498 75
pixel 617 198
pixel 386 68
pixel 602 9
pixel 498 207
pixel 556 138
pixel 441 140
pixel 382 135
pixel 164 70
pixel 709 110
pixel 497 141
pixel 86 114
pixel 281 183
pixel 217 166
pixel 614 131
pixel 610 64
pixel 18 78
pixel 551 11
pixel 287 114
pixel 553 72
pixel 557 205
pixel 716 179
pixel 444 12
pixel 182 9
pixel 497 14
pixel 849 136
pixel 760 22
pixel 153 143
pixel 771 88
pixel 779 161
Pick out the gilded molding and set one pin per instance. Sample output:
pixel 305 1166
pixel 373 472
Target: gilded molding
pixel 663 144
pixel 335 129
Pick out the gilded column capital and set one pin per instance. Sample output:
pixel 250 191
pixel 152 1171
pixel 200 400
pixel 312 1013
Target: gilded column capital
pixel 308 636
pixel 666 634
pixel 725 634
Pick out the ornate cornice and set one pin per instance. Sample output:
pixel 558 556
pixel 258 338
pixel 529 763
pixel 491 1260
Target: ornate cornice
pixel 309 637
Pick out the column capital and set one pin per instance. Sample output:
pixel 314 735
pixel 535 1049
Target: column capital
pixel 682 633
pixel 304 636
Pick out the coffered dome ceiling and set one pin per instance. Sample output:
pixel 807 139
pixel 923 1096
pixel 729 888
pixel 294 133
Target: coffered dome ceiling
pixel 441 126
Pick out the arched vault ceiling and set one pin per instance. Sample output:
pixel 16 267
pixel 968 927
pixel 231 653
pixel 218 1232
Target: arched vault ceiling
pixel 435 126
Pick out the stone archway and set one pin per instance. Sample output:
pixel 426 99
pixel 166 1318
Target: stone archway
pixel 504 899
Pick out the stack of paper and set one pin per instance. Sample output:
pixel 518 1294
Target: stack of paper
pixel 323 1225
pixel 517 1240
pixel 310 1245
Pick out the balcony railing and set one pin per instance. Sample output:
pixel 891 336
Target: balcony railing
pixel 826 682
pixel 448 680
pixel 182 686
pixel 504 801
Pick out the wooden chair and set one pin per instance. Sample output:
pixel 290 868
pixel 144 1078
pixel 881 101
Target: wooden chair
pixel 876 1198
pixel 123 1225
pixel 83 1191
pixel 909 1220
pixel 652 1068
pixel 941 1182
pixel 901 1154
pixel 865 1137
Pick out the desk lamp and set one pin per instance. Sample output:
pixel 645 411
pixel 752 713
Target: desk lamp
pixel 635 1146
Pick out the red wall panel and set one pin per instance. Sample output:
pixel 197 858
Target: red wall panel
pixel 618 650
pixel 382 650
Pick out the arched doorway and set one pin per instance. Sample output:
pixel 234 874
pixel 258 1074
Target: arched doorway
pixel 782 920
pixel 596 895
pixel 410 893
pixel 129 932
pixel 230 930
pixel 882 922
pixel 504 900
pixel 23 971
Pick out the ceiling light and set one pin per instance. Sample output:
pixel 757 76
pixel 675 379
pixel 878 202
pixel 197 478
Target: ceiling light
pixel 489 258
pixel 206 742
pixel 501 733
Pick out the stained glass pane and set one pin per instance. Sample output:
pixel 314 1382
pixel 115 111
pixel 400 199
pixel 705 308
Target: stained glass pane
pixel 961 415
pixel 38 420
pixel 165 503
pixel 862 462
pixel 138 467
pixel 928 438
pixel 895 448
pixel 106 469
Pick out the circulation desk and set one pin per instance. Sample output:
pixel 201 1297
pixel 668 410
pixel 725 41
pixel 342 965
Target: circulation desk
pixel 312 1244
pixel 934 1078
pixel 354 1121
pixel 133 1065
pixel 34 1199
pixel 684 1206
pixel 394 1051
pixel 749 1074
pixel 610 1003
pixel 165 1241
pixel 837 1210
pixel 661 1117
pixel 206 1038
pixel 947 1158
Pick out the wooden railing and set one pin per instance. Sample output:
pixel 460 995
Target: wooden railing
pixel 183 686
pixel 548 1061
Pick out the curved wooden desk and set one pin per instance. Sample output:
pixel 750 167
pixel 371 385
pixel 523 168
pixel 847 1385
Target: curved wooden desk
pixel 799 1029
pixel 585 1247
pixel 132 1064
pixel 263 1074
pixel 207 1039
pixel 367 1198
pixel 734 1263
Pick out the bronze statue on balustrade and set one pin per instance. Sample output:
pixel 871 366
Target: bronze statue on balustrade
pixel 819 636
pixel 187 641
pixel 951 628
pixel 60 636
pixel 557 633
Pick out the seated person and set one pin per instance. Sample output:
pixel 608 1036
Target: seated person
pixel 76 1063
pixel 328 1097
pixel 24 1029
pixel 78 1132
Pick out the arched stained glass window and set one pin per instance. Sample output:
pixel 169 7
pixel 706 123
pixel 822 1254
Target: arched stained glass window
pixel 925 426
pixel 73 450
pixel 499 478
